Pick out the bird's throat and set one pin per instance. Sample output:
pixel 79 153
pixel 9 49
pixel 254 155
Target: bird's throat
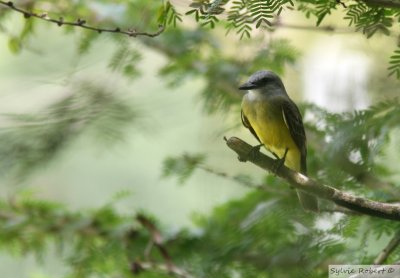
pixel 254 94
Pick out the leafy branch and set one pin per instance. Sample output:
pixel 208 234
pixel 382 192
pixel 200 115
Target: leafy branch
pixel 392 245
pixel 94 236
pixel 32 140
pixel 157 241
pixel 169 15
pixel 394 67
pixel 299 181
pixel 367 16
pixel 184 165
pixel 81 23
pixel 206 11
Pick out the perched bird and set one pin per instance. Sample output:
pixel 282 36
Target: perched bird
pixel 274 119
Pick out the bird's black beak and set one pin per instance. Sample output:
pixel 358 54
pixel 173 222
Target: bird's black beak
pixel 247 86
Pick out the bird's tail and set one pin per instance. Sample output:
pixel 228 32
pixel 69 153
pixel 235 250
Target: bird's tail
pixel 308 201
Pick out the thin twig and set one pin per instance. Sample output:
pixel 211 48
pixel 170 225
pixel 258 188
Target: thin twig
pixel 237 179
pixel 81 23
pixel 158 242
pixel 302 182
pixel 392 245
pixel 341 3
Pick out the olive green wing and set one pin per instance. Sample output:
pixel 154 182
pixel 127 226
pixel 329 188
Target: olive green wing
pixel 294 123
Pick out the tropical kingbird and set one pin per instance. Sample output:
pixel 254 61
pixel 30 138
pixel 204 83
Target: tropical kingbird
pixel 274 119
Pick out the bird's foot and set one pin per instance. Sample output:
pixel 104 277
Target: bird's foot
pixel 279 162
pixel 252 154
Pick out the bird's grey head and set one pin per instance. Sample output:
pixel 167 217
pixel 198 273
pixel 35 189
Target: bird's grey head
pixel 265 80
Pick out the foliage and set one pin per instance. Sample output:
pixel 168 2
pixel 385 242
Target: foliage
pixel 263 234
pixel 272 213
pixel 245 16
pixel 394 68
pixel 183 166
pixel 100 242
pixel 32 140
pixel 169 15
pixel 353 142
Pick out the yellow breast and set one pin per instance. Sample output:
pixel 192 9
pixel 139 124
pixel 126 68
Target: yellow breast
pixel 267 120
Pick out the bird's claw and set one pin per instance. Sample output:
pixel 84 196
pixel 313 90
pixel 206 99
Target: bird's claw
pixel 279 162
pixel 252 154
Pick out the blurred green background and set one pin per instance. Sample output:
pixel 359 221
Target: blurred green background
pixel 339 72
pixel 87 174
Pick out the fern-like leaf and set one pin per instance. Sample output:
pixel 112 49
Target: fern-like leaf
pixel 206 11
pixel 323 8
pixel 373 20
pixel 168 15
pixel 355 12
pixel 394 68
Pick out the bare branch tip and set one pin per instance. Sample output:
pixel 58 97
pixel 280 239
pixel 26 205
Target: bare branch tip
pixel 80 22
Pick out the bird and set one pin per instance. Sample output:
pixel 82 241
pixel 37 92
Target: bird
pixel 276 122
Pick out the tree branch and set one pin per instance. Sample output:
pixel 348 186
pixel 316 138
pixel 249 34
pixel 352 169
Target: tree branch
pixel 392 245
pixel 299 181
pixel 157 240
pixel 46 220
pixel 358 172
pixel 81 23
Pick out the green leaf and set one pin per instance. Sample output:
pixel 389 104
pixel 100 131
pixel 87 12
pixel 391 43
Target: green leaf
pixel 182 166
pixel 14 45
